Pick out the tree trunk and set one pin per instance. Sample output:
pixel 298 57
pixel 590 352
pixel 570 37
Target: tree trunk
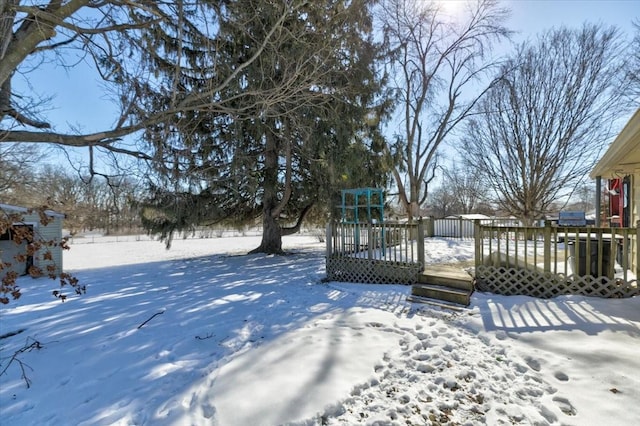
pixel 414 204
pixel 271 229
pixel 271 236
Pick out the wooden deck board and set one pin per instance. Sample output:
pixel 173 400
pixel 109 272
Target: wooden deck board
pixel 447 271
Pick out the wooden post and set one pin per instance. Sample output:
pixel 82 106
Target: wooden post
pixel 420 241
pixel 638 249
pixel 328 239
pixel 431 226
pixel 370 240
pixel 598 200
pixel 547 246
pixel 478 241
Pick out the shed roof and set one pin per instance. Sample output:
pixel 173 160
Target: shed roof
pixel 18 209
pixel 470 216
pixel 623 155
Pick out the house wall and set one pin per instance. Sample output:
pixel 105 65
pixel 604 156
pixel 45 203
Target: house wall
pixel 52 231
pixel 635 197
pixel 635 219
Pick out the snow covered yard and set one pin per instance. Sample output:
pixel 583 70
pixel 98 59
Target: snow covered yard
pixel 200 335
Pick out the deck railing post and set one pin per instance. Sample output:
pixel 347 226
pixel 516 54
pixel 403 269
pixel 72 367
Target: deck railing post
pixel 478 241
pixel 547 246
pixel 420 241
pixel 329 239
pixel 370 240
pixel 638 249
pixel 431 226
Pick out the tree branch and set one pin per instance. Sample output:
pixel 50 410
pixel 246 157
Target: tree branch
pixel 295 228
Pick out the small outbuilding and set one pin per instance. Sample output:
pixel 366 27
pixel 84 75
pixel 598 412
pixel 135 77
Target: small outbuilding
pixel 51 231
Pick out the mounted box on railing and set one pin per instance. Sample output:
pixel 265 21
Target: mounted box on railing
pixel 572 219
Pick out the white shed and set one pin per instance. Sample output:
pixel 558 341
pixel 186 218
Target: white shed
pixel 50 231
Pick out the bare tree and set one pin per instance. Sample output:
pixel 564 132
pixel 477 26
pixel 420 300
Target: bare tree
pixel 466 187
pixel 541 127
pixel 127 42
pixel 633 72
pixel 442 202
pixel 438 65
pixel 584 198
pixel 17 171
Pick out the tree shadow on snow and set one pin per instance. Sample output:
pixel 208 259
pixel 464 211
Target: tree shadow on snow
pixel 145 331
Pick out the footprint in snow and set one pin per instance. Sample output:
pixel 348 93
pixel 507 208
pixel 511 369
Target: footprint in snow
pixel 208 411
pixel 501 335
pixel 565 406
pixel 561 376
pixel 533 363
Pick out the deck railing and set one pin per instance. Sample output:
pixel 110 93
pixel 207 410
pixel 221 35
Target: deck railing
pixel 536 261
pixel 547 261
pixel 375 252
pixel 377 241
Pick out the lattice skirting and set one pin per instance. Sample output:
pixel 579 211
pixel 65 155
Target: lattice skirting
pixel 511 281
pixel 356 270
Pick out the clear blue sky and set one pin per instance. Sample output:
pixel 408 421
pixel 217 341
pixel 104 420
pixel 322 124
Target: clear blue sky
pixel 531 16
pixel 79 100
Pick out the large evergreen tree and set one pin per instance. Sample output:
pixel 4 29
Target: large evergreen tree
pixel 276 156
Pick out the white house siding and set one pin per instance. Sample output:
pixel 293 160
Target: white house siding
pixel 635 196
pixel 635 217
pixel 52 231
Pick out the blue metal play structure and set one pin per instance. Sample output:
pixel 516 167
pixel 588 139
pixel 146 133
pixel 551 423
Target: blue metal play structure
pixel 363 205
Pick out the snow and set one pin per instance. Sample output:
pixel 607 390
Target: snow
pixel 202 335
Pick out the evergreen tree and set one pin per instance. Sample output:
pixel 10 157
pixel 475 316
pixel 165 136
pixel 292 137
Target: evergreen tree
pixel 277 156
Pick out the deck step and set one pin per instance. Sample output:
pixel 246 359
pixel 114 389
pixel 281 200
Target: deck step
pixel 434 302
pixel 442 293
pixel 460 281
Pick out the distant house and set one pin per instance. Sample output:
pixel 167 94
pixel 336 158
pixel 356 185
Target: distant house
pixel 51 231
pixel 620 167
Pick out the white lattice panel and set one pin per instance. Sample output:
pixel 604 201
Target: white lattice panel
pixel 356 270
pixel 512 281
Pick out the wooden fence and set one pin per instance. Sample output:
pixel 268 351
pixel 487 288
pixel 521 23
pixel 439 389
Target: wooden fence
pixel 549 261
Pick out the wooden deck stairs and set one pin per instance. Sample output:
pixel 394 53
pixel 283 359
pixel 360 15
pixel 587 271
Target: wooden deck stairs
pixel 443 285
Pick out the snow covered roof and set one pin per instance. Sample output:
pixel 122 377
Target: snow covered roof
pixel 18 209
pixel 470 216
pixel 623 155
